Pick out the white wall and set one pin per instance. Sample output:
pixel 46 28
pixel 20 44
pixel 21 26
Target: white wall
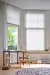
pixel 1 32
pixel 48 29
pixel 1 26
pixel 1 59
pixel 30 4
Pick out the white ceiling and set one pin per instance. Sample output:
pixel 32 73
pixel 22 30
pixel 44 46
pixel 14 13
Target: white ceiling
pixel 30 4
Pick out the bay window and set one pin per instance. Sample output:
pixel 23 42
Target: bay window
pixel 34 28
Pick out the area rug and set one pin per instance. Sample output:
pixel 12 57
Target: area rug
pixel 34 71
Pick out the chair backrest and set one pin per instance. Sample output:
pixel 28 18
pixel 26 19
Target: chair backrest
pixel 26 54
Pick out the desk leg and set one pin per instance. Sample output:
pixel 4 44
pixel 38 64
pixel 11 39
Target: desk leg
pixel 23 58
pixel 17 57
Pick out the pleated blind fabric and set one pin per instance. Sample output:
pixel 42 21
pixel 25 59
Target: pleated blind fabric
pixel 13 15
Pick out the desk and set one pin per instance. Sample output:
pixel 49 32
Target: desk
pixel 17 53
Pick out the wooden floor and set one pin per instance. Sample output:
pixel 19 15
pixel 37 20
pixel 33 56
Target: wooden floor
pixel 13 70
pixel 8 72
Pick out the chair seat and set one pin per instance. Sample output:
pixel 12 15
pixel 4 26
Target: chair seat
pixel 24 59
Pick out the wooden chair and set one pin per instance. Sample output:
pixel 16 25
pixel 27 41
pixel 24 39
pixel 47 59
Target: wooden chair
pixel 24 59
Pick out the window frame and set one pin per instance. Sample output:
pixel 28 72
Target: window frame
pixel 10 24
pixel 36 12
pixel 6 27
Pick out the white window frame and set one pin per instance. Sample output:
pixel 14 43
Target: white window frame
pixel 36 12
pixel 10 24
pixel 6 29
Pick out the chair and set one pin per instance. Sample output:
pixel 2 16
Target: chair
pixel 24 59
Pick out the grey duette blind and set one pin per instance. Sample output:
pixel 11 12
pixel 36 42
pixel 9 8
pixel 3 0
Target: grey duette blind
pixel 13 15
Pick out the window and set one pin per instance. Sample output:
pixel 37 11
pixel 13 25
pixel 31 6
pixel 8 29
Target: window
pixel 12 37
pixel 35 31
pixel 12 25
